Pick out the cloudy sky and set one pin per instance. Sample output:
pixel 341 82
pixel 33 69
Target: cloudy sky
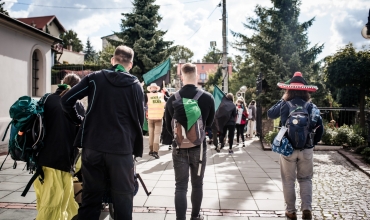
pixel 191 22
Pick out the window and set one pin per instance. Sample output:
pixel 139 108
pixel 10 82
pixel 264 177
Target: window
pixel 203 76
pixel 35 73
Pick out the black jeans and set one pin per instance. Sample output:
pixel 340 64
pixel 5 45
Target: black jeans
pixel 183 161
pixel 231 129
pixel 239 131
pixel 97 168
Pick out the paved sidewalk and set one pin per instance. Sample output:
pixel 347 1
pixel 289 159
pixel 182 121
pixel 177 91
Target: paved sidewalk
pixel 244 185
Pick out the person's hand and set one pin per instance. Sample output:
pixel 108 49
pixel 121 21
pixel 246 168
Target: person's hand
pixel 164 89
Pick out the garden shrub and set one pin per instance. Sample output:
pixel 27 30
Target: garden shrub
pixel 355 140
pixel 269 137
pixel 344 132
pixel 329 136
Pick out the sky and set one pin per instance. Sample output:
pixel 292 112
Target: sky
pixel 195 23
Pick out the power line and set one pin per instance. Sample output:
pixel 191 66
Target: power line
pixel 97 8
pixel 202 24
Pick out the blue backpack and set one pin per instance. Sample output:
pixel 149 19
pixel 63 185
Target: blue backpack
pixel 300 124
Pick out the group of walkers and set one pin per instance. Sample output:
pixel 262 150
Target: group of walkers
pixel 110 132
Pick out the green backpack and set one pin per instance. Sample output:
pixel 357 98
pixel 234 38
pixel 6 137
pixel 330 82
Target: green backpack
pixel 26 134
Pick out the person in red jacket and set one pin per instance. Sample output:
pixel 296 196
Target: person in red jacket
pixel 241 119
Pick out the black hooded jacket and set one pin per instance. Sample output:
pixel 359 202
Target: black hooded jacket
pixel 115 114
pixel 60 132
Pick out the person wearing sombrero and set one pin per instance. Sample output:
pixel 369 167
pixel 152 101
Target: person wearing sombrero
pixel 154 116
pixel 299 165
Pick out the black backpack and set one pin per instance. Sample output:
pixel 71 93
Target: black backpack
pixel 300 123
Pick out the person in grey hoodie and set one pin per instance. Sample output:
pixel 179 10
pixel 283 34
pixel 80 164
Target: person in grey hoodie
pixel 110 134
pixel 252 114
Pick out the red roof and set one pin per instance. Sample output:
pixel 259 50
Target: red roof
pixel 42 21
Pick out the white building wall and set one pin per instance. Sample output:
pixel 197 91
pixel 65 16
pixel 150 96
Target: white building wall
pixel 16 50
pixel 53 29
pixel 71 57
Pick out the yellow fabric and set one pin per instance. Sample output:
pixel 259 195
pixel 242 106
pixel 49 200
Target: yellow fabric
pixel 55 198
pixel 155 106
pixel 78 164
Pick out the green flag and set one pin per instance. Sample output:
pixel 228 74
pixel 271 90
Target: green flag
pixel 159 72
pixel 218 95
pixel 192 111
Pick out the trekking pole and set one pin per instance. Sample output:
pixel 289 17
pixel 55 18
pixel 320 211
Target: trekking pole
pixel 143 184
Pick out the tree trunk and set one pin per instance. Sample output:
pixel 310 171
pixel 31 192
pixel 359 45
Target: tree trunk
pixel 362 106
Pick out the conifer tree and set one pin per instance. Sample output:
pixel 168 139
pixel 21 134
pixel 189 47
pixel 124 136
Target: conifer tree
pixel 139 30
pixel 2 10
pixel 279 46
pixel 89 51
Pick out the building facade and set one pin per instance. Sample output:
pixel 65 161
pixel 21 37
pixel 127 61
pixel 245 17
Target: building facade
pixel 25 64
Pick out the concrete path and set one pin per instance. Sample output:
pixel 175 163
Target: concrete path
pixel 243 185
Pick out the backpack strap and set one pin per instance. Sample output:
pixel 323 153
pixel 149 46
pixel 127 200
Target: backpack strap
pixel 39 172
pixel 43 99
pixel 4 160
pixel 177 95
pixel 6 130
pixel 197 96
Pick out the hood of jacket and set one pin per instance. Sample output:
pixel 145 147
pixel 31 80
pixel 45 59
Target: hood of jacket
pixel 121 79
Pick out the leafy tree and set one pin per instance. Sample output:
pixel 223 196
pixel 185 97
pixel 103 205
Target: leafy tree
pixel 279 46
pixel 179 52
pixel 213 55
pixel 89 51
pixel 214 79
pixel 70 38
pixel 2 10
pixel 349 68
pixel 139 30
pixel 105 55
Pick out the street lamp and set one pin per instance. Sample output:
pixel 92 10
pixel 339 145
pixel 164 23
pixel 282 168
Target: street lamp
pixel 365 32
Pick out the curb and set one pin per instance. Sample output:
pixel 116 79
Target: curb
pixel 351 157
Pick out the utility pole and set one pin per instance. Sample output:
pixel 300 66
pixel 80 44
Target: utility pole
pixel 225 74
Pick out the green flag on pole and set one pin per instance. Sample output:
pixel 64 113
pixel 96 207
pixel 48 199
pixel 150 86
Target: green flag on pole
pixel 159 74
pixel 218 95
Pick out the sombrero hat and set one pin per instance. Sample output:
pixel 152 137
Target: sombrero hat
pixel 297 83
pixel 153 85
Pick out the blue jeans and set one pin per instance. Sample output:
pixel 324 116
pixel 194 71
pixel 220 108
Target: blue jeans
pixel 183 161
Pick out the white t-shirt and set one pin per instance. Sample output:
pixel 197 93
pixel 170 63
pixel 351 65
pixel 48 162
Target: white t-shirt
pixel 239 113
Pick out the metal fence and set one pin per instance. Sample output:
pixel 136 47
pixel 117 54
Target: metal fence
pixel 342 115
pixel 59 71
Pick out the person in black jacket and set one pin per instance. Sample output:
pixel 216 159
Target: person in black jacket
pixel 229 127
pixel 110 134
pixel 55 197
pixel 185 159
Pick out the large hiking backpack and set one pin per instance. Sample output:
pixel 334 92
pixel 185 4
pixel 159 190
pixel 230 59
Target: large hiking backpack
pixel 26 134
pixel 300 124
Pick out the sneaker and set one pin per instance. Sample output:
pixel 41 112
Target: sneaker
pixel 291 216
pixel 217 150
pixel 243 145
pixel 306 214
pixel 150 153
pixel 155 155
pixel 169 147
pixel 199 217
pixel 231 151
pixel 222 146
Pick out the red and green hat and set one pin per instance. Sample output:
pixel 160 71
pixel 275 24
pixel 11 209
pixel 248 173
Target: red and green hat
pixel 297 83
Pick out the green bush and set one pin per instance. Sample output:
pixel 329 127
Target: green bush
pixel 269 137
pixel 329 136
pixel 344 132
pixel 355 140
